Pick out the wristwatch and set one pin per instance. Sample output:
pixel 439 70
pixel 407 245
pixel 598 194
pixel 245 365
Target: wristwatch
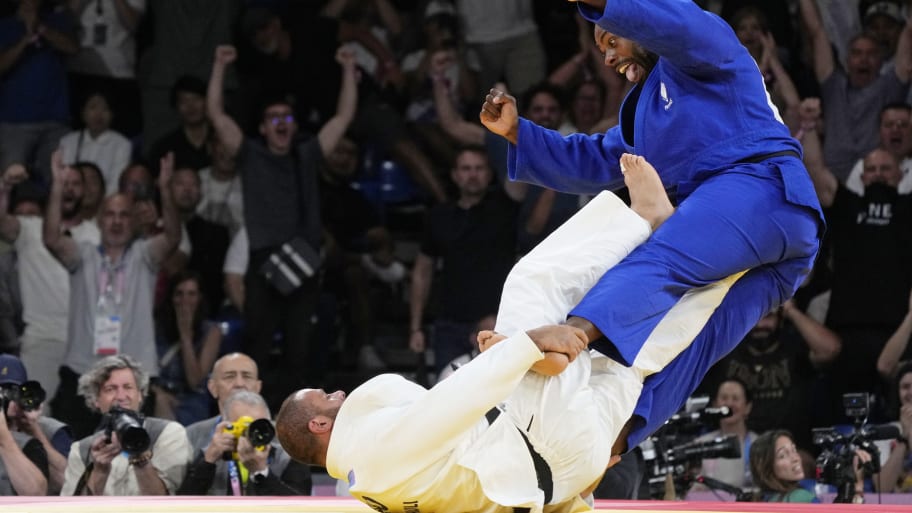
pixel 260 475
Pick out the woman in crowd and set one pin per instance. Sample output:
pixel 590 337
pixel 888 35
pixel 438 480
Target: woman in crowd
pixel 734 471
pixel 187 348
pixel 896 473
pixel 776 469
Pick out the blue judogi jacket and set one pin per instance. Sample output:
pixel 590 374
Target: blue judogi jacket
pixel 702 110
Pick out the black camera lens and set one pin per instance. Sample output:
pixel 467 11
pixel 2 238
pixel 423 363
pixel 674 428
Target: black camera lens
pixel 128 425
pixel 260 432
pixel 31 395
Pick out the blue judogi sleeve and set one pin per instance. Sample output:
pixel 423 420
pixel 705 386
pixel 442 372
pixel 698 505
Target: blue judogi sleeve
pixel 577 163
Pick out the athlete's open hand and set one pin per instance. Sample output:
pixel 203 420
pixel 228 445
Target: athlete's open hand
pixel 499 114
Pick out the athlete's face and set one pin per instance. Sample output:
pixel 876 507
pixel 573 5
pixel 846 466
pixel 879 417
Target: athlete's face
pixel 327 404
pixel 625 56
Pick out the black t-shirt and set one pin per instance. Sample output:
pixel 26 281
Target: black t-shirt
pixel 186 155
pixel 779 377
pixel 347 215
pixel 210 242
pixel 477 249
pixel 871 239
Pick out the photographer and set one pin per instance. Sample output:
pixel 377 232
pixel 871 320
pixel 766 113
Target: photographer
pixel 23 459
pixel 231 463
pixel 111 461
pixel 23 416
pixel 735 471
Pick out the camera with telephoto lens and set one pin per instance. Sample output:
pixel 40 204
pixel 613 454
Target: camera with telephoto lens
pixel 835 464
pixel 28 396
pixel 675 449
pixel 128 425
pixel 260 432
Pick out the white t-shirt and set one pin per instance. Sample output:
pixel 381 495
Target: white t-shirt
pixel 490 22
pixel 110 151
pixel 238 255
pixel 221 202
pixel 113 54
pixel 43 281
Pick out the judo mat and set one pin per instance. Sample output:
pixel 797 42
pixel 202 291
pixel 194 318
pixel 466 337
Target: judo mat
pixel 342 505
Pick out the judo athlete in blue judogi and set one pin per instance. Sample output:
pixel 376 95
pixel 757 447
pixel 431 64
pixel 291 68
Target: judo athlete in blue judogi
pixel 699 112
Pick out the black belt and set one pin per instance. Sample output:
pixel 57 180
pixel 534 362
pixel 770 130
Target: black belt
pixel 542 470
pixel 756 159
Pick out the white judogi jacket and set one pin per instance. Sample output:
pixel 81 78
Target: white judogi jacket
pixel 403 448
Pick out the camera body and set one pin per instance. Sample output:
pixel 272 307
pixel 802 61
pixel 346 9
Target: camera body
pixel 260 432
pixel 675 449
pixel 128 424
pixel 28 396
pixel 835 464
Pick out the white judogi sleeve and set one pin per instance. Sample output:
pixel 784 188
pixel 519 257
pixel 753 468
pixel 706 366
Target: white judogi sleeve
pixel 391 433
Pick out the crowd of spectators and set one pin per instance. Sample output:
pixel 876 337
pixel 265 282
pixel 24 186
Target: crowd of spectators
pixel 197 193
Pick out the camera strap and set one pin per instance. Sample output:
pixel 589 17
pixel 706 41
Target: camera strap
pixel 84 479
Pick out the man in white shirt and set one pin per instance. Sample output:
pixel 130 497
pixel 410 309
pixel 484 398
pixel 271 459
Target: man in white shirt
pixel 43 282
pixel 222 199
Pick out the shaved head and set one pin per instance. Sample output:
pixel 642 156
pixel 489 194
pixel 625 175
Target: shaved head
pixel 291 427
pixel 305 423
pixel 233 372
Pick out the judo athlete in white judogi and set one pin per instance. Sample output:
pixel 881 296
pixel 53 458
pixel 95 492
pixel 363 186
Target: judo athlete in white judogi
pixel 493 436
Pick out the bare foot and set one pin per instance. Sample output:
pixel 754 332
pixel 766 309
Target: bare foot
pixel 647 195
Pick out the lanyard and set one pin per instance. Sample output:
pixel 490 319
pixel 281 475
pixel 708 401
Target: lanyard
pixel 105 282
pixel 234 477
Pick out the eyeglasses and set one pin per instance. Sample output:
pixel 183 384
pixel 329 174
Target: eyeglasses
pixel 275 119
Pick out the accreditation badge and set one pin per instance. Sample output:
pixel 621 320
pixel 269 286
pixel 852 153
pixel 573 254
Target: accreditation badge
pixel 107 334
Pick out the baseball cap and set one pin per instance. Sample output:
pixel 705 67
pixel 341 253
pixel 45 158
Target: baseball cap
pixel 11 370
pixel 888 9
